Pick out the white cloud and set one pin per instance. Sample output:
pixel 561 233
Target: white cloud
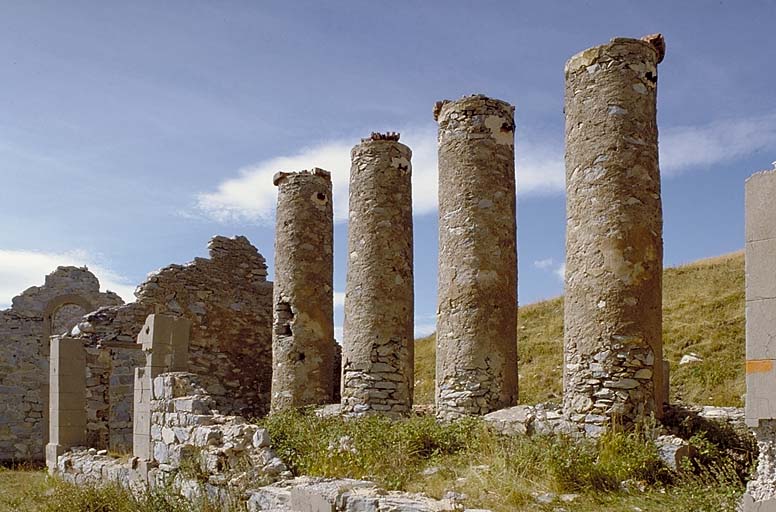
pixel 686 147
pixel 339 299
pixel 21 269
pixel 251 196
pixel 543 264
pixel 561 271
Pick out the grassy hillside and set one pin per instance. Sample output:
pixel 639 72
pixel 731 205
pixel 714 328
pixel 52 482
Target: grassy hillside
pixel 703 313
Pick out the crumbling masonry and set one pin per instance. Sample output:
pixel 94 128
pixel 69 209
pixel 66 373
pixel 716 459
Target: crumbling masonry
pixel 476 357
pixel 377 353
pixel 760 256
pixel 303 330
pixel 36 314
pixel 614 247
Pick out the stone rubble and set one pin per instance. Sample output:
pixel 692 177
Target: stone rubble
pixel 308 494
pixel 194 447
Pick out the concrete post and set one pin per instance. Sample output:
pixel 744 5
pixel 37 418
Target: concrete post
pixel 303 330
pixel 760 254
pixel 377 350
pixel 165 340
pixel 614 245
pixel 67 397
pixel 476 365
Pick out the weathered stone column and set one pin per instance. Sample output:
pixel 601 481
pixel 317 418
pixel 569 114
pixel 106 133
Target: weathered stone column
pixel 377 350
pixel 761 336
pixel 614 245
pixel 476 358
pixel 303 329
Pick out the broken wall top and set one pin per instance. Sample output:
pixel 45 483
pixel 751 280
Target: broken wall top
pixel 66 285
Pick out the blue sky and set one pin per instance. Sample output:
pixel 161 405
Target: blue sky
pixel 134 131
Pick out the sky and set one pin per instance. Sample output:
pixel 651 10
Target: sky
pixel 132 132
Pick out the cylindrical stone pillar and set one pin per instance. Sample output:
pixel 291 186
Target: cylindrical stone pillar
pixel 377 348
pixel 476 358
pixel 303 319
pixel 614 246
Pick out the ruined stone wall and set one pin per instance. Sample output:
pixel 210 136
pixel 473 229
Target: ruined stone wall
pixel 477 299
pixel 303 330
pixel 36 314
pixel 614 245
pixel 378 344
pixel 229 303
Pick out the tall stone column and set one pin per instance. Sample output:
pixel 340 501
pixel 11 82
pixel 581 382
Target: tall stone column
pixel 476 358
pixel 614 235
pixel 303 328
pixel 377 350
pixel 761 336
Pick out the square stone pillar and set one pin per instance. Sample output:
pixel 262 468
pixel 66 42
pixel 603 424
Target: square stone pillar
pixel 760 252
pixel 67 397
pixel 165 341
pixel 141 420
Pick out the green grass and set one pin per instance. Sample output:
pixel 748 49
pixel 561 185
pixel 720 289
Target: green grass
pixel 28 489
pixel 703 312
pixel 502 473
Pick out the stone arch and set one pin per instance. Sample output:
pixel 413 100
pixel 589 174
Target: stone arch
pixel 56 304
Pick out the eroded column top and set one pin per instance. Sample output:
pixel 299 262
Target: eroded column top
pixel 381 140
pixel 475 104
pixel 282 176
pixel 616 49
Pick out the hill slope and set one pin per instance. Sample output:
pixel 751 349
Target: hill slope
pixel 703 313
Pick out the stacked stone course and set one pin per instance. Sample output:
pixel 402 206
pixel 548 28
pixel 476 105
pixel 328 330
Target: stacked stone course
pixel 378 355
pixel 303 350
pixel 614 247
pixel 476 365
pixel 228 301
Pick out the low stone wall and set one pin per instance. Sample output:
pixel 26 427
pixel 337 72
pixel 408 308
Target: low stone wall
pixel 195 449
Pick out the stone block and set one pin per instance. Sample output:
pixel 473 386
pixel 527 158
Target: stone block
pixel 760 213
pixel 760 275
pixel 749 505
pixel 760 386
pixel 53 451
pixel 761 329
